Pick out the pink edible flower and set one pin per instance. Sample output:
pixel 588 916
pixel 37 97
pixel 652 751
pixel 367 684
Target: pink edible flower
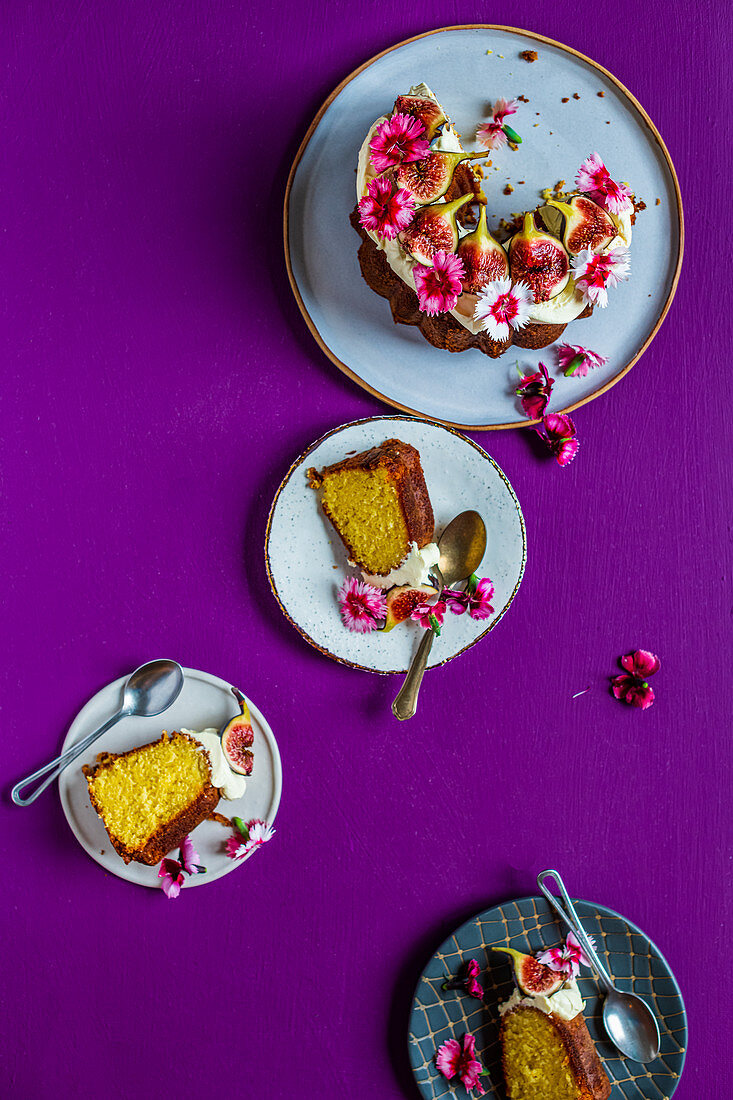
pixel 492 134
pixel 248 836
pixel 172 870
pixel 439 286
pixel 503 306
pixel 476 599
pixel 566 960
pixel 468 982
pixel 593 274
pixel 633 688
pixel 593 178
pixel 189 857
pixel 576 361
pixel 534 392
pixel 398 140
pixel 430 615
pixel 362 605
pixel 558 432
pixel 451 1060
pixel 171 874
pixel 385 212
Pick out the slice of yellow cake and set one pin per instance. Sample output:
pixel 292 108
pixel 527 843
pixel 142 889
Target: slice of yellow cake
pixel 379 504
pixel 151 797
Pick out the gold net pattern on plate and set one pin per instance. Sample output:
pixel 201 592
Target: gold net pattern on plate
pixel 528 925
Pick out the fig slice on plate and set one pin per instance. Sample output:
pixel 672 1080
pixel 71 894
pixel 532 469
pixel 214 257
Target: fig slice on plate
pixel 429 179
pixel 533 978
pixel 585 223
pixel 426 110
pixel 433 229
pixel 402 601
pixel 538 259
pixel 237 738
pixel 483 258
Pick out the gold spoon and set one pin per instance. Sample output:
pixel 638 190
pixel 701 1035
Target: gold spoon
pixel 462 547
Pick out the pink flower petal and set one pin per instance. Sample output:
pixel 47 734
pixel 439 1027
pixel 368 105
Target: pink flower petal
pixel 447 1056
pixel 558 432
pixel 593 179
pixel 634 692
pixel 503 306
pixel 641 663
pixel 438 287
pixel 594 273
pixel 171 877
pixel 399 139
pixel 567 354
pixel 491 135
pixel 362 605
pixel 424 612
pixel 534 392
pixel 385 212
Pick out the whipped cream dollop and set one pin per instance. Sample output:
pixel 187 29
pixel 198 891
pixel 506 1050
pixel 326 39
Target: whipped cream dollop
pixel 414 570
pixel 229 783
pixel 560 310
pixel 566 1003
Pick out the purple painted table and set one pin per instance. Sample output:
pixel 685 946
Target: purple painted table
pixel 157 381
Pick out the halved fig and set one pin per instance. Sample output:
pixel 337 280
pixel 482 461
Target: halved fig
pixel 402 601
pixel 429 179
pixel 237 738
pixel 483 257
pixel 433 229
pixel 533 977
pixel 427 110
pixel 585 224
pixel 539 260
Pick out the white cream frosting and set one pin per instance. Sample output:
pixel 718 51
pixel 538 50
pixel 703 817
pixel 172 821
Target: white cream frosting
pixel 414 570
pixel 231 784
pixel 566 1003
pixel 560 310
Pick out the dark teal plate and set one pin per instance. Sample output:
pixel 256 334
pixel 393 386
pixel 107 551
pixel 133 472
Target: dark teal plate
pixel 528 925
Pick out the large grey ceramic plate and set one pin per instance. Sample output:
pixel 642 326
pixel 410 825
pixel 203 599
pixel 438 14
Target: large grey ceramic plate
pixel 204 701
pixel 354 326
pixel 306 561
pixel 528 925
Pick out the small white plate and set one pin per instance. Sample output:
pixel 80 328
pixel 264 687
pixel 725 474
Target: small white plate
pixel 467 67
pixel 306 561
pixel 204 701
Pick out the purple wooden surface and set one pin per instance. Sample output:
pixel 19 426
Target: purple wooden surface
pixel 157 382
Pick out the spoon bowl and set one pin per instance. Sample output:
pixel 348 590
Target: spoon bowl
pixel 629 1022
pixel 150 689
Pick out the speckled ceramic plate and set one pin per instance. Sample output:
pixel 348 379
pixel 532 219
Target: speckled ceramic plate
pixel 306 561
pixel 204 701
pixel 528 925
pixel 467 67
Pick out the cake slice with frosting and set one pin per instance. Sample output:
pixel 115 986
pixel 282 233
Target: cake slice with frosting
pixel 547 1051
pixel 379 504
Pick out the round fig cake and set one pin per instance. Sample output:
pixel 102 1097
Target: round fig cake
pixel 426 246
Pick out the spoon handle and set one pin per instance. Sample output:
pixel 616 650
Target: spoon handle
pixel 405 703
pixel 571 918
pixel 55 767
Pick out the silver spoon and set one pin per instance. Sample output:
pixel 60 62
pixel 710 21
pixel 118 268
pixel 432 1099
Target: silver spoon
pixel 462 547
pixel 629 1021
pixel 149 690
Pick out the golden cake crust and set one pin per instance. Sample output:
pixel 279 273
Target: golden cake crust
pixel 169 834
pixel 585 1065
pixel 402 463
pixel 442 330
